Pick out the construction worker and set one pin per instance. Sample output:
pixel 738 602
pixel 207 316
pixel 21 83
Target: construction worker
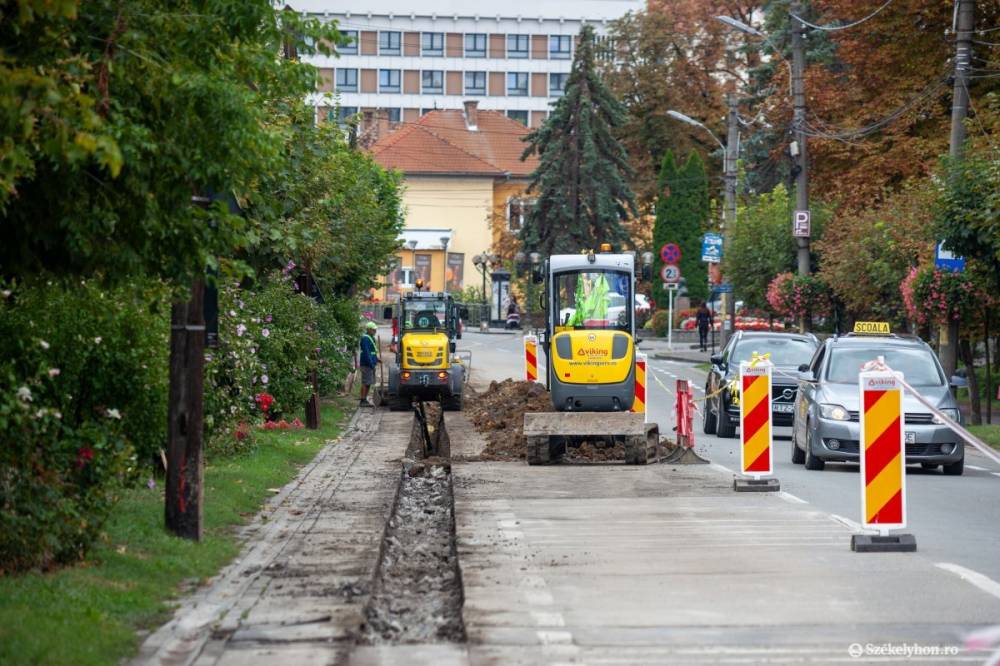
pixel 369 359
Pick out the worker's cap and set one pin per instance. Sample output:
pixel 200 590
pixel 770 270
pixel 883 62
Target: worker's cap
pixel 371 325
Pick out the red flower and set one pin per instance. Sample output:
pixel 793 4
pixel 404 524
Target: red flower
pixel 84 454
pixel 264 401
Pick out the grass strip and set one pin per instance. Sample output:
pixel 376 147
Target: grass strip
pixel 94 612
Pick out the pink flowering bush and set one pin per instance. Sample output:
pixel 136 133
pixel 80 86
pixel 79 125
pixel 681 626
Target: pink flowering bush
pixel 798 296
pixel 933 296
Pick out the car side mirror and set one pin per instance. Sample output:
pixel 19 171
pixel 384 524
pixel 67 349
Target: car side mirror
pixel 807 375
pixel 386 313
pixel 716 359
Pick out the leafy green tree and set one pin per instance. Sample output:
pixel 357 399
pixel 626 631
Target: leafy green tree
pixel 583 174
pixel 760 246
pixel 681 217
pixel 114 114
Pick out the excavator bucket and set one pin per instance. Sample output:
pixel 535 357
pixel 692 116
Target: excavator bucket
pixel 549 434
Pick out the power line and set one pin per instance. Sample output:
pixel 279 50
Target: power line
pixel 834 28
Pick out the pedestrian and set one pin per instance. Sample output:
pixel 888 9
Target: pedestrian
pixel 369 359
pixel 704 319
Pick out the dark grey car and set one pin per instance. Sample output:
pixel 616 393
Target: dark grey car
pixel 827 422
pixel 787 351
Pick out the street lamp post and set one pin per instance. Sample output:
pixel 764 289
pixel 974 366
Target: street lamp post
pixel 444 262
pixel 731 152
pixel 482 262
pixel 799 148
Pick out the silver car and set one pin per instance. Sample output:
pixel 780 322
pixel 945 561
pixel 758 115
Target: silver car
pixel 826 425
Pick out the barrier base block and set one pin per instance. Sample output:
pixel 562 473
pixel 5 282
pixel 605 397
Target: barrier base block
pixel 894 543
pixel 756 485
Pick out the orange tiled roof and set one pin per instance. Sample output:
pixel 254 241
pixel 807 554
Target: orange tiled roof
pixel 440 143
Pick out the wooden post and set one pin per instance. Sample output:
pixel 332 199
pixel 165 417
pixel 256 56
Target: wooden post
pixel 185 416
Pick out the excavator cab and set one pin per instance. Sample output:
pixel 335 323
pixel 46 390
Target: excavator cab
pixel 589 344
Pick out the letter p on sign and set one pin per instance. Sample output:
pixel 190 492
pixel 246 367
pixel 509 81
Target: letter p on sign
pixel 802 226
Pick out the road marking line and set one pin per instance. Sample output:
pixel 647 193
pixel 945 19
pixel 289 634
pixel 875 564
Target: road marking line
pixel 847 522
pixel 977 468
pixel 548 619
pixel 507 523
pixel 788 497
pixel 996 473
pixel 722 468
pixel 542 598
pixel 983 582
pixel 555 637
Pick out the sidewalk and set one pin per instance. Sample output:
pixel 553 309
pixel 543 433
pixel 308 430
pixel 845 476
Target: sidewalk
pixel 685 352
pixel 295 594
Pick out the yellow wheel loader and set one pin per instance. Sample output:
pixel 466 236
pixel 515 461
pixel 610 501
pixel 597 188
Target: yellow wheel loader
pixel 425 366
pixel 589 345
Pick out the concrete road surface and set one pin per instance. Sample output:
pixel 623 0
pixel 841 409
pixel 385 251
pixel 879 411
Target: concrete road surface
pixel 613 564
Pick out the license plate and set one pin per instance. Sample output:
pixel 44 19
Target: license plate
pixel 782 407
pixel 911 437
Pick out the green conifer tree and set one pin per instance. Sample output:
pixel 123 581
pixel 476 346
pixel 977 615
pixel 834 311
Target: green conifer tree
pixel 681 214
pixel 583 172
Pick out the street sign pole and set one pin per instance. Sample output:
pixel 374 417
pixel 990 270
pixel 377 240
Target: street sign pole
pixel 670 317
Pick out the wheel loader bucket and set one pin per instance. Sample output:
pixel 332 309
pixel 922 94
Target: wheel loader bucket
pixel 548 434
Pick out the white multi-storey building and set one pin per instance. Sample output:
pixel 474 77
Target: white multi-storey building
pixel 407 58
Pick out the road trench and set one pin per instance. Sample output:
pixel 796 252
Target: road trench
pixel 416 592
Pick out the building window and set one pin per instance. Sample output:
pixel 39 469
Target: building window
pixel 432 44
pixel 351 47
pixel 560 47
pixel 388 80
pixel 406 275
pixel 519 116
pixel 517 46
pixel 341 114
pixel 347 80
pixel 517 84
pixel 557 84
pixel 475 45
pixel 432 82
pixel 517 213
pixel 475 83
pixel 388 43
pixel 393 115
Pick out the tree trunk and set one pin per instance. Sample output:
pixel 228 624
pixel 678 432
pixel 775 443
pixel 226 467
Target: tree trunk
pixel 989 370
pixel 965 348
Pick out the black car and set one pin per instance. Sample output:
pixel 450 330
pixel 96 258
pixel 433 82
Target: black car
pixel 787 351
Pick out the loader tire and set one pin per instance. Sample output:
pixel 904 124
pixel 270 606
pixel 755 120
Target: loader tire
pixel 452 403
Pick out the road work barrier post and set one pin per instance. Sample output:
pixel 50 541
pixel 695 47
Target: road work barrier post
pixel 883 464
pixel 531 358
pixel 639 404
pixel 684 453
pixel 756 449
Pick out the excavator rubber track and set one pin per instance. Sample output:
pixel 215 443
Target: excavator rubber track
pixel 548 434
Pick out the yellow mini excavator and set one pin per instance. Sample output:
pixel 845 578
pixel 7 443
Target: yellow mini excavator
pixel 589 345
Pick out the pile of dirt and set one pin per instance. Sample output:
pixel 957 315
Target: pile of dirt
pixel 596 451
pixel 498 413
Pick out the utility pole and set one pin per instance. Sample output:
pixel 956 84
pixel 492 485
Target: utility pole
pixel 732 154
pixel 965 24
pixel 801 154
pixel 185 416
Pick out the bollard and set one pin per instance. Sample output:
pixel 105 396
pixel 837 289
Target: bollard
pixel 531 358
pixel 756 450
pixel 883 466
pixel 639 404
pixel 683 453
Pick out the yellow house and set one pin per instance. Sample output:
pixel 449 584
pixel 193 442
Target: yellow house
pixel 464 190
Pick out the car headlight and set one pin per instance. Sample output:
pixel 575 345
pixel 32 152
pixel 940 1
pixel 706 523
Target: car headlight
pixel 835 412
pixel 950 412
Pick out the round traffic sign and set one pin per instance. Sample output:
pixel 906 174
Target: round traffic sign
pixel 670 273
pixel 670 253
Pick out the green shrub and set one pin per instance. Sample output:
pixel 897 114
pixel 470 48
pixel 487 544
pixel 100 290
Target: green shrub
pixel 83 387
pixel 339 336
pixel 659 323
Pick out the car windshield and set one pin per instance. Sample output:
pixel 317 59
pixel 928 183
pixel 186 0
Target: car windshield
pixel 593 299
pixel 425 314
pixel 918 366
pixel 783 351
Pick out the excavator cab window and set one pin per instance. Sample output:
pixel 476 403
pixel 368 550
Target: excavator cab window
pixel 595 299
pixel 426 315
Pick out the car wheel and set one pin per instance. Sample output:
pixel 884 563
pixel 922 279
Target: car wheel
pixel 811 461
pixel 798 455
pixel 955 468
pixel 708 419
pixel 726 427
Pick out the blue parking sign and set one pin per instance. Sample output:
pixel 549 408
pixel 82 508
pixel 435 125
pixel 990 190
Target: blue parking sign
pixel 711 248
pixel 947 260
